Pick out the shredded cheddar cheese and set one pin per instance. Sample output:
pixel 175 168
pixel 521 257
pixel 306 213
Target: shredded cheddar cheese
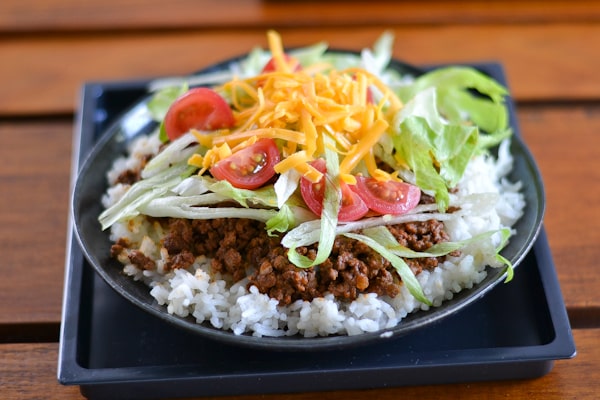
pixel 298 108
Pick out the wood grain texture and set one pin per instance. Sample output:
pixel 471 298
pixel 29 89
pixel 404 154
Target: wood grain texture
pixel 34 179
pixel 564 142
pixel 73 15
pixel 28 371
pixel 41 74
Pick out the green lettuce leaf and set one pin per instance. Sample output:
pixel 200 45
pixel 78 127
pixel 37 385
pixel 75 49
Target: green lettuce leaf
pixel 144 191
pixel 159 104
pixel 283 221
pixel 178 151
pixel 264 196
pixel 510 272
pixel 450 115
pixel 456 100
pixel 382 241
pixel 408 277
pixel 384 237
pixel 188 211
pixel 329 214
pixel 436 151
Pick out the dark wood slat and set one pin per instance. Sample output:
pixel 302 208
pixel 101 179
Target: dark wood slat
pixel 71 15
pixel 42 75
pixel 28 371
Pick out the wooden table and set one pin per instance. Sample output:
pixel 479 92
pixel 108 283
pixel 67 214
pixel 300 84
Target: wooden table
pixel 49 48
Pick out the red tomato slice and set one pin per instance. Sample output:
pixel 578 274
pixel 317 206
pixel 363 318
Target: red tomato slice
pixel 199 108
pixel 291 61
pixel 313 193
pixel 387 197
pixel 250 167
pixel 352 206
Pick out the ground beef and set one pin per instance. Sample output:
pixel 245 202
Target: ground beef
pixel 181 260
pixel 118 247
pixel 234 245
pixel 180 236
pixel 131 176
pixel 426 199
pixel 282 280
pixel 354 268
pixel 141 261
pixel 241 248
pixel 128 177
pixel 420 236
pixel 351 269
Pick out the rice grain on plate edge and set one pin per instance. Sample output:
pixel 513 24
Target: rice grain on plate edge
pixel 363 120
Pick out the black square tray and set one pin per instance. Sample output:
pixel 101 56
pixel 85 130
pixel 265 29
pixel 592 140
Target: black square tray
pixel 111 349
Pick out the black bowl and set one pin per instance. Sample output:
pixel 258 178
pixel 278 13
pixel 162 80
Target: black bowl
pixel 91 184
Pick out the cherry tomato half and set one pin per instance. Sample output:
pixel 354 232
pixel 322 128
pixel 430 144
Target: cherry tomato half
pixel 352 206
pixel 291 61
pixel 250 167
pixel 387 197
pixel 199 108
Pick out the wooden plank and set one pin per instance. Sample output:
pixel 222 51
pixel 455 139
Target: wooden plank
pixel 56 65
pixel 28 370
pixel 35 204
pixel 72 15
pixel 565 141
pixel 36 162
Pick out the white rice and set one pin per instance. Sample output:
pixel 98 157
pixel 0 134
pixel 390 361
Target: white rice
pixel 489 202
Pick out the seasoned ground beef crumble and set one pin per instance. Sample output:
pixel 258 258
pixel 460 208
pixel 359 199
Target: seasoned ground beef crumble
pixel 241 248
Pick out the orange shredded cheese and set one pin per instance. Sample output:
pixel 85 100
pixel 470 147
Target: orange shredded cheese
pixel 298 108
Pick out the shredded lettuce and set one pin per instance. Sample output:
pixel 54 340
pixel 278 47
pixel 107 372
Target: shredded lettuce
pixel 160 102
pixel 384 237
pixel 377 59
pixel 510 272
pixel 408 277
pixel 194 207
pixel 283 221
pixel 264 196
pixel 286 186
pixel 165 204
pixel 309 232
pixel 178 151
pixel 383 242
pixel 465 95
pixel 329 214
pixel 192 186
pixel 142 192
pixel 194 212
pixel 436 151
pixel 174 192
pixel 444 124
pixel 256 59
